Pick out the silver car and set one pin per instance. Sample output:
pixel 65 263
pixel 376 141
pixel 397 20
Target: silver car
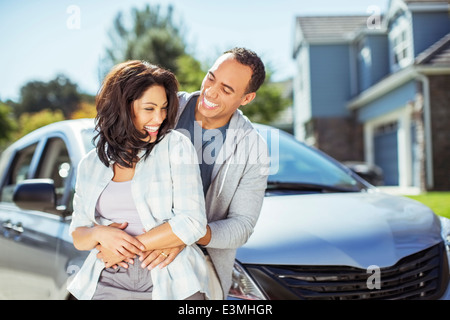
pixel 323 233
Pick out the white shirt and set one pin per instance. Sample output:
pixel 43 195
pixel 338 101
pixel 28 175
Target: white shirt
pixel 166 187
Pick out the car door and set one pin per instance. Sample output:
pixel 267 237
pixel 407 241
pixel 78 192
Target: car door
pixel 29 238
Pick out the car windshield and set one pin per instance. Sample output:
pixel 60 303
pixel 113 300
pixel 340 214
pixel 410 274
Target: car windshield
pixel 295 166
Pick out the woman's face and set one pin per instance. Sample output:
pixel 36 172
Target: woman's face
pixel 150 111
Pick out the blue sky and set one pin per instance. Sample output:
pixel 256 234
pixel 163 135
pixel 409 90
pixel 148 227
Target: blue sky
pixel 39 39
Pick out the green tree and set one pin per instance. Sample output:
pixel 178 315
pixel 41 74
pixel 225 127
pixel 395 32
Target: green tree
pixel 57 94
pixel 85 110
pixel 7 123
pixel 190 73
pixel 269 102
pixel 152 36
pixel 29 122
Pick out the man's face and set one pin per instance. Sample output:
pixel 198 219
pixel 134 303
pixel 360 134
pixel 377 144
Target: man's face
pixel 222 92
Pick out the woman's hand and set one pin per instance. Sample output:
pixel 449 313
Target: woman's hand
pixel 117 242
pixel 152 258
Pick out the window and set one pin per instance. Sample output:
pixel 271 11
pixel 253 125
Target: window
pixel 401 43
pixel 20 170
pixel 55 164
pixel 386 128
pixel 400 48
pixel 303 165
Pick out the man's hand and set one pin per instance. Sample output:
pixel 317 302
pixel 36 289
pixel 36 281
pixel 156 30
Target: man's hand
pixel 110 259
pixel 153 258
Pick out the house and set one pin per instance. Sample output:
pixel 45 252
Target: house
pixel 377 89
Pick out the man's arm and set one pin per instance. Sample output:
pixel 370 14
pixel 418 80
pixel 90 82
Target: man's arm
pixel 233 231
pixel 243 212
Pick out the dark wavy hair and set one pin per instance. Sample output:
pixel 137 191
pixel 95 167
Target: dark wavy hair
pixel 118 139
pixel 249 58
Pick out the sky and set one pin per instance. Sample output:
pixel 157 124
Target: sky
pixel 40 39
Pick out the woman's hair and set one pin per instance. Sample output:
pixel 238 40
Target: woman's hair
pixel 118 139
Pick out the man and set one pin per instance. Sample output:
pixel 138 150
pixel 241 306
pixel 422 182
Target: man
pixel 233 159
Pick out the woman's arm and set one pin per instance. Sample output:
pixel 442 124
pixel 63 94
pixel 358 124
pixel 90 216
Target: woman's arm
pixel 112 238
pixel 188 224
pixel 206 238
pixel 160 237
pixel 154 254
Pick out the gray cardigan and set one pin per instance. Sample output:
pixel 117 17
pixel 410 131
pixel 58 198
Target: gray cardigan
pixel 235 196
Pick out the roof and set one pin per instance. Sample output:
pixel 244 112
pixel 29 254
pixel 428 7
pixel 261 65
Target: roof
pixel 334 28
pixel 425 1
pixel 419 5
pixel 436 55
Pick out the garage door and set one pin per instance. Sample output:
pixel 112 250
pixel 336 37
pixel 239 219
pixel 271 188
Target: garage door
pixel 386 152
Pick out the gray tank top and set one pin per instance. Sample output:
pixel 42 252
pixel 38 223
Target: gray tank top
pixel 116 204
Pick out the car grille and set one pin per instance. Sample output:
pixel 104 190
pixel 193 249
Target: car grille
pixel 423 275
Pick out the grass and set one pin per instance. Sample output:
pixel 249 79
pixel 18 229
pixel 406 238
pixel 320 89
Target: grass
pixel 438 201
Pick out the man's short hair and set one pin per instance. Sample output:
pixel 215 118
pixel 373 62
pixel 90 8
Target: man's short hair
pixel 250 59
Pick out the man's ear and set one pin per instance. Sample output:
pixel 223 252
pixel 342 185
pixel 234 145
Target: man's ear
pixel 248 98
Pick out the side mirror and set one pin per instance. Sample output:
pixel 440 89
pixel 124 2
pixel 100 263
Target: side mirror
pixel 36 194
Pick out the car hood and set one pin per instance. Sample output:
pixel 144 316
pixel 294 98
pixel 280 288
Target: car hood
pixel 352 229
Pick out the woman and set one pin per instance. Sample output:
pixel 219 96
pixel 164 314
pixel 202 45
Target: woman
pixel 139 190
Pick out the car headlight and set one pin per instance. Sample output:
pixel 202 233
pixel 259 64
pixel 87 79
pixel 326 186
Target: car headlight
pixel 445 232
pixel 243 286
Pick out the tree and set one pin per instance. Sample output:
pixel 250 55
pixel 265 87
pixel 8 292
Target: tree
pixel 152 36
pixel 86 110
pixel 269 102
pixel 57 94
pixel 29 122
pixel 7 123
pixel 190 73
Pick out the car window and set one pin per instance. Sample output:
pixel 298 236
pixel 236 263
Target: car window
pixel 88 136
pixel 296 163
pixel 18 172
pixel 55 164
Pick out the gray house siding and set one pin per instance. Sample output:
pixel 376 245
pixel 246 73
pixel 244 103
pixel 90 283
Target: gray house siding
pixel 389 102
pixel 428 28
pixel 330 80
pixel 373 60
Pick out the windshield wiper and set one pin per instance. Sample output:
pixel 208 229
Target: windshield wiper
pixel 280 185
